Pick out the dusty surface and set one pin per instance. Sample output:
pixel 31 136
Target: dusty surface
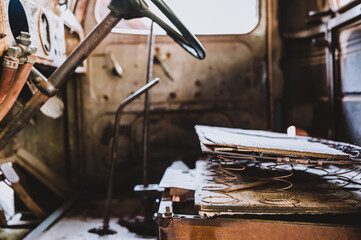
pixel 265 142
pixel 87 214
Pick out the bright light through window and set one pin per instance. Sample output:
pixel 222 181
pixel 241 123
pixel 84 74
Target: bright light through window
pixel 206 17
pixel 344 2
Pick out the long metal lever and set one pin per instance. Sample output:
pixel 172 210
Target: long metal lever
pixel 104 230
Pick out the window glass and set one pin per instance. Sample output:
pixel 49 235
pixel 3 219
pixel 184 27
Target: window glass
pixel 338 4
pixel 208 17
pixel 344 2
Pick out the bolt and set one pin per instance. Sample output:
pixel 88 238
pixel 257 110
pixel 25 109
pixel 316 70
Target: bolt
pixel 24 39
pixel 167 213
pixel 13 52
pixel 32 50
pixel 25 35
pixel 38 79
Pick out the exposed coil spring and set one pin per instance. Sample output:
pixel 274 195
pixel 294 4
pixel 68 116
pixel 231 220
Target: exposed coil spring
pixel 221 180
pixel 288 198
pixel 223 177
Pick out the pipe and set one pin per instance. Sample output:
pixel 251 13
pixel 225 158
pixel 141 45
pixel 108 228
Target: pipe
pixel 147 105
pixel 9 68
pixel 60 76
pixel 13 93
pixel 114 154
pixel 270 80
pixel 104 229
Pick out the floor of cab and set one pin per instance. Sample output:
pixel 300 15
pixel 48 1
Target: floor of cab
pixel 87 213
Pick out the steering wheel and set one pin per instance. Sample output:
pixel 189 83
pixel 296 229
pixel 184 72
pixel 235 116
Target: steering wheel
pixel 129 9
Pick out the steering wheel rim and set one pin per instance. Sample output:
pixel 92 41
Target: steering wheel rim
pixel 129 9
pixel 186 39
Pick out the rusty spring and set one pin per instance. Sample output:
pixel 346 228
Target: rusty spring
pixel 222 179
pixel 288 197
pixel 223 176
pixel 338 188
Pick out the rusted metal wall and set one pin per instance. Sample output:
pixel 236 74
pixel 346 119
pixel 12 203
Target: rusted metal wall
pixel 321 68
pixel 304 67
pixel 349 84
pixel 226 89
pixel 306 94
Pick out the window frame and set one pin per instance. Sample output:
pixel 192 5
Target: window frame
pixel 141 32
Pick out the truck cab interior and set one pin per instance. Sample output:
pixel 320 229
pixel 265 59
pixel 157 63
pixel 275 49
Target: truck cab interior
pixel 166 119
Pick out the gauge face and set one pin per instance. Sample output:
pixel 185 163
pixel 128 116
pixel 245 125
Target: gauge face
pixel 17 18
pixel 44 31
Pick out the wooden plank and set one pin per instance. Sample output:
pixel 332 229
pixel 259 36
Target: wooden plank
pixel 14 179
pixel 44 174
pixel 264 142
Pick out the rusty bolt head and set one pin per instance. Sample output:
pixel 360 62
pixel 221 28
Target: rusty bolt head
pixel 24 39
pixel 37 79
pixel 32 50
pixel 13 52
pixel 167 213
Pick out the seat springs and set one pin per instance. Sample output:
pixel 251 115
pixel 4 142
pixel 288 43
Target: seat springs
pixel 283 196
pixel 225 172
pixel 221 181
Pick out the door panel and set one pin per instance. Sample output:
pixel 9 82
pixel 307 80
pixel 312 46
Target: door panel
pixel 228 88
pixel 349 87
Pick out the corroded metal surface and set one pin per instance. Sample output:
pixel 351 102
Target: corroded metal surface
pixel 254 229
pixel 227 88
pixel 44 21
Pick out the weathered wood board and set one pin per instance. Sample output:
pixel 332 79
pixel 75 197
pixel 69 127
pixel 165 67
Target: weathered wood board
pixel 230 139
pixel 44 174
pixel 10 174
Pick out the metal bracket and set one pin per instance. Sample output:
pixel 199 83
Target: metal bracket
pixel 117 69
pixel 321 43
pixel 318 17
pixel 128 8
pixel 23 49
pixel 42 83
